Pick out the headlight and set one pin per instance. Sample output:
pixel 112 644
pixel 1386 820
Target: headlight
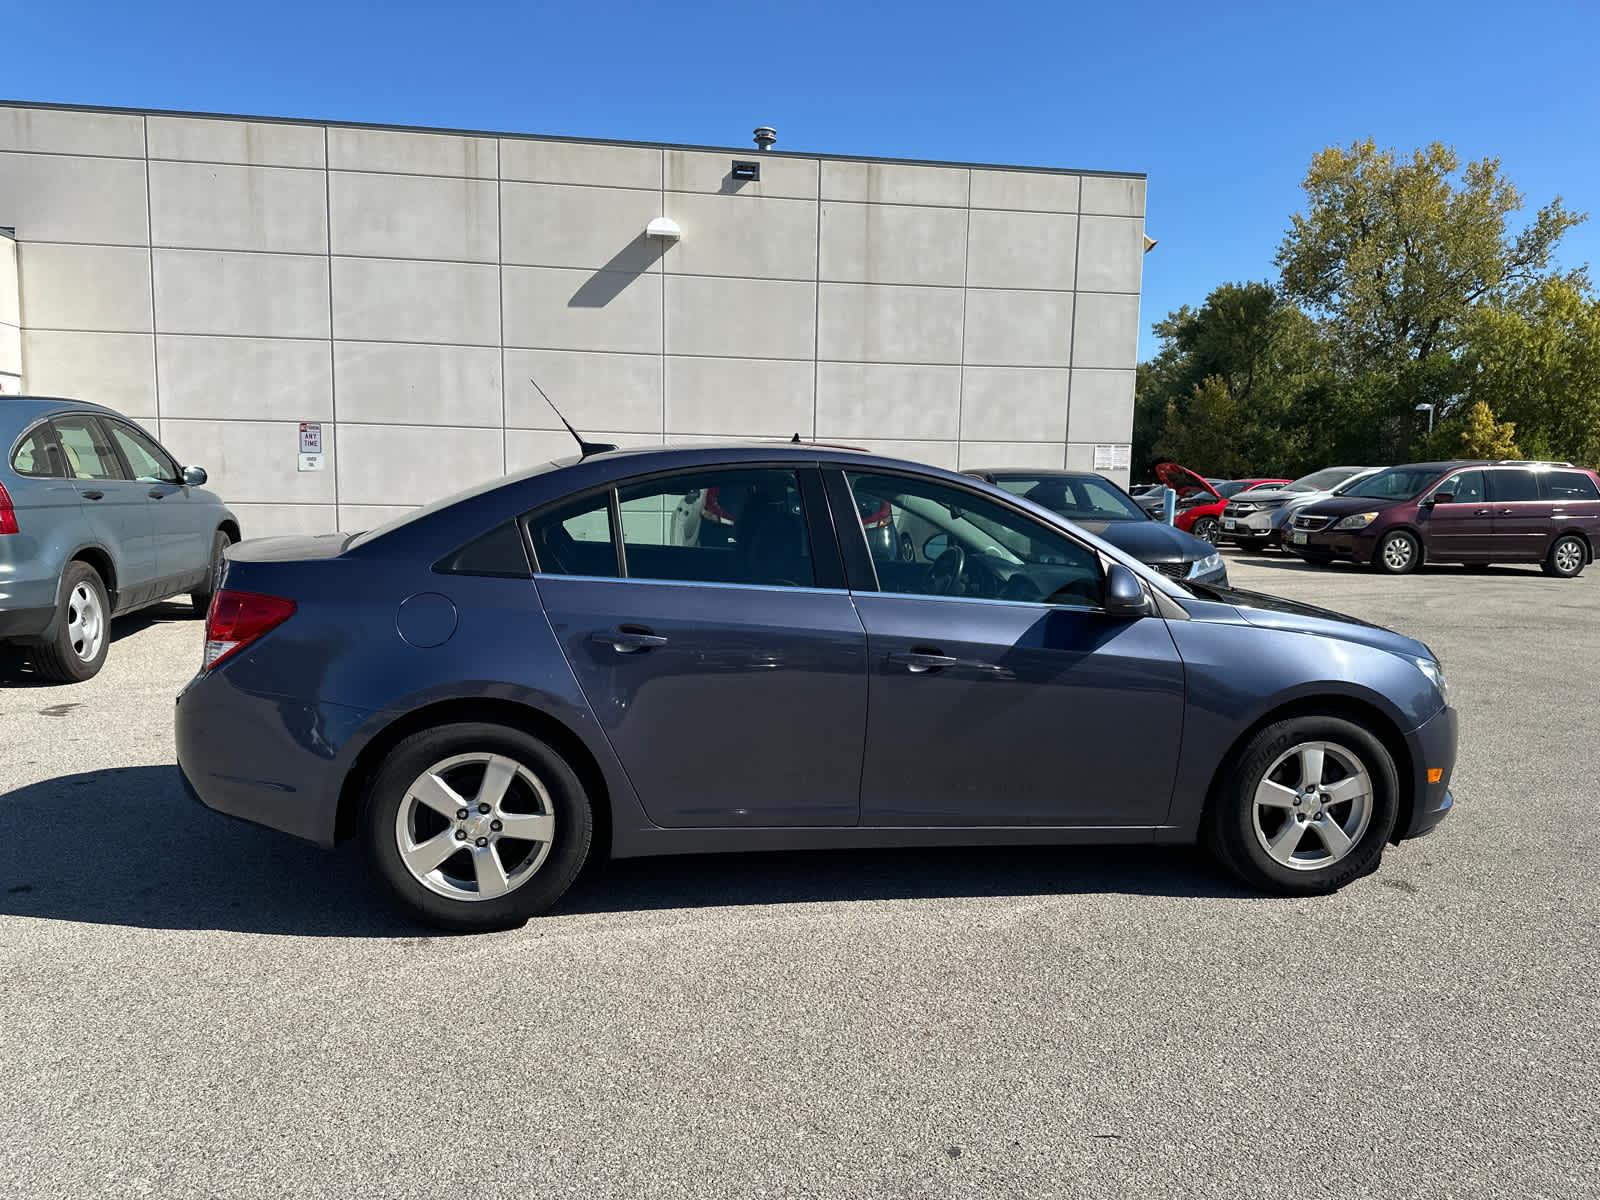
pixel 1435 673
pixel 1357 521
pixel 1204 566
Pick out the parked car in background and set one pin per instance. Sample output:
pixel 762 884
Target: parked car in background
pixel 1462 512
pixel 1200 500
pixel 1248 518
pixel 1095 503
pixel 97 519
pixel 490 690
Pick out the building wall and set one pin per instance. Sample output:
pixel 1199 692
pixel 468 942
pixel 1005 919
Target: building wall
pixel 10 319
pixel 225 279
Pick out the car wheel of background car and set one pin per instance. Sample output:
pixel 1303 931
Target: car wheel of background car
pixel 82 636
pixel 1305 807
pixel 1399 553
pixel 1566 557
pixel 476 826
pixel 201 599
pixel 1207 529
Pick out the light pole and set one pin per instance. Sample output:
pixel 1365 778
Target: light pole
pixel 1427 408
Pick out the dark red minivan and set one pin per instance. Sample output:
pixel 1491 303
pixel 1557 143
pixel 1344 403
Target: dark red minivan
pixel 1460 512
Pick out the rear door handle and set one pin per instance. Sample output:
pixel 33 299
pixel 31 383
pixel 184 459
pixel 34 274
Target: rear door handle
pixel 629 641
pixel 1508 512
pixel 920 661
pixel 1480 512
pixel 93 495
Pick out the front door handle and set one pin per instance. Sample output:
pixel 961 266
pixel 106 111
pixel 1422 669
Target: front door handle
pixel 919 662
pixel 1508 512
pixel 1480 512
pixel 93 495
pixel 156 494
pixel 629 641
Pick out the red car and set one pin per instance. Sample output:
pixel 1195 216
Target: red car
pixel 1200 503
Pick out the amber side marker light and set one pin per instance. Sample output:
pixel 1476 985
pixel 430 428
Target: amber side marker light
pixel 1435 774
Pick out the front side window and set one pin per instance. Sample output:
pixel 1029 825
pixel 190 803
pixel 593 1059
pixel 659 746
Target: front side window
pixel 88 453
pixel 38 456
pixel 1511 486
pixel 1570 485
pixel 1465 487
pixel 148 461
pixel 954 543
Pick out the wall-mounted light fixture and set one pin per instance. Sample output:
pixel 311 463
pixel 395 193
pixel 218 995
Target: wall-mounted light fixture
pixel 663 229
pixel 1149 243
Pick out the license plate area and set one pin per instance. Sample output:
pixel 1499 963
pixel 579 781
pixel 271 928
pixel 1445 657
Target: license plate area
pixel 1298 537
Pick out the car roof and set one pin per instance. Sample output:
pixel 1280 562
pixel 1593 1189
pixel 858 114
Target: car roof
pixel 31 408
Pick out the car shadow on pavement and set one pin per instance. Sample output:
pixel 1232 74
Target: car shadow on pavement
pixel 141 853
pixel 17 671
pixel 128 846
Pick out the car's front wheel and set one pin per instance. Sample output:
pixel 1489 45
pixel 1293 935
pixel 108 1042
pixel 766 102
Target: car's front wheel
pixel 476 826
pixel 1207 529
pixel 1399 553
pixel 1566 557
pixel 1304 807
pixel 77 649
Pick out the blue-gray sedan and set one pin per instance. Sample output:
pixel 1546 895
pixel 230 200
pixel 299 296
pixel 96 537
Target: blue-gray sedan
pixel 778 647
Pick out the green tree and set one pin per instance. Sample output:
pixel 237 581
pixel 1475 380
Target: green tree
pixel 1206 434
pixel 1536 361
pixel 1484 437
pixel 1396 252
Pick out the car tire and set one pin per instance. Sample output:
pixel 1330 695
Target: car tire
pixel 77 648
pixel 201 599
pixel 1567 557
pixel 1207 529
pixel 408 821
pixel 1398 553
pixel 1268 825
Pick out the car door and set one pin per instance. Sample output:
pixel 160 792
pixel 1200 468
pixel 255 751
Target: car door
pixel 1001 693
pixel 1574 503
pixel 1523 518
pixel 1461 528
pixel 116 508
pixel 182 526
pixel 722 657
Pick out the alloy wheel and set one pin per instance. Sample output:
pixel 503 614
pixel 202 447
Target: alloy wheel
pixel 1568 556
pixel 475 826
pixel 86 622
pixel 1398 552
pixel 1312 805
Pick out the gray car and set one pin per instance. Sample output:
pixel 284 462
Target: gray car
pixel 493 689
pixel 97 519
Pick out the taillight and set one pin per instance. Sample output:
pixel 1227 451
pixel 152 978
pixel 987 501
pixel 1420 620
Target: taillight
pixel 8 513
pixel 235 619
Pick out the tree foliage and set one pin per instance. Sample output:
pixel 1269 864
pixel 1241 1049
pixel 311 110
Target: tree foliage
pixel 1403 283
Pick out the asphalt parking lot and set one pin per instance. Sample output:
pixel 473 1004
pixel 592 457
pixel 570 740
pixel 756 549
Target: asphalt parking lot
pixel 195 1006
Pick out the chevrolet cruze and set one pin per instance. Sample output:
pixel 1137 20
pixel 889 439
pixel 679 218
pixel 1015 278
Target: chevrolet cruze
pixel 495 688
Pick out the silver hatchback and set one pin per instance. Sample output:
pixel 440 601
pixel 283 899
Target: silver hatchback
pixel 96 519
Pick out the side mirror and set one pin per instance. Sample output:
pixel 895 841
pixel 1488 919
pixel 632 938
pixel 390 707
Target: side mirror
pixel 1124 593
pixel 935 546
pixel 1440 498
pixel 194 476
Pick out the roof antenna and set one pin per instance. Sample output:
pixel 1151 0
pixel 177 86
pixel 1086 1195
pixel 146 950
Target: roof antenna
pixel 795 440
pixel 584 448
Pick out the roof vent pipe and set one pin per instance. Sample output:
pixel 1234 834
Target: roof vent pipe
pixel 765 136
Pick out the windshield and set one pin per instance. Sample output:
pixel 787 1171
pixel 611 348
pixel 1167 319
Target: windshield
pixel 1320 481
pixel 1344 488
pixel 1397 483
pixel 1081 498
pixel 1231 488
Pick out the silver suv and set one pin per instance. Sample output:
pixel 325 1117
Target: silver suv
pixel 96 520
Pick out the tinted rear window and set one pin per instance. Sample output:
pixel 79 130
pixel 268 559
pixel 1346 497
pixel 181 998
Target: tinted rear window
pixel 1570 485
pixel 499 553
pixel 1508 486
pixel 38 457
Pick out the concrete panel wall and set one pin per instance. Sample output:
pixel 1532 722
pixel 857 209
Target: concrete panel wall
pixel 226 279
pixel 10 319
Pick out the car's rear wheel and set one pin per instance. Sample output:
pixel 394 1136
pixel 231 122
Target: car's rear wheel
pixel 77 649
pixel 476 826
pixel 1207 529
pixel 1305 806
pixel 1566 557
pixel 1399 553
pixel 201 598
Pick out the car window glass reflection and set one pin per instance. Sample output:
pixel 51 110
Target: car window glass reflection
pixel 931 540
pixel 87 452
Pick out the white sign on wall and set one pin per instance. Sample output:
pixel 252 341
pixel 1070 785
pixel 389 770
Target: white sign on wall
pixel 310 437
pixel 1113 457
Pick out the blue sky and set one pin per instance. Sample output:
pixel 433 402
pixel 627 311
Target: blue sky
pixel 1221 104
